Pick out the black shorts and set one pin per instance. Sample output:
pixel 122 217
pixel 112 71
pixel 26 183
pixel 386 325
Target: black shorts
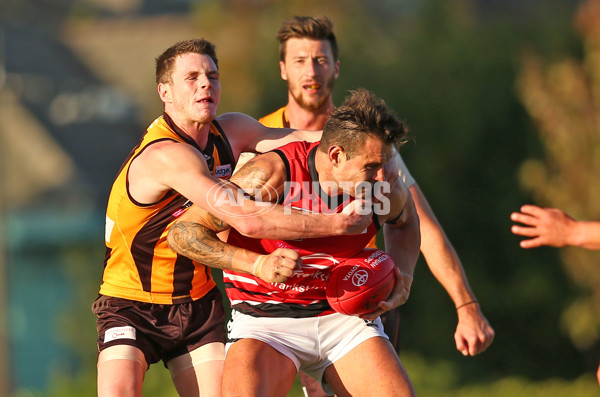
pixel 161 332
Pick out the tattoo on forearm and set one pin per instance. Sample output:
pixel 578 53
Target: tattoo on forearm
pixel 201 244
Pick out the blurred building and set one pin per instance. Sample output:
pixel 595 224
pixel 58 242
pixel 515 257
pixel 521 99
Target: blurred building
pixel 70 112
pixel 63 135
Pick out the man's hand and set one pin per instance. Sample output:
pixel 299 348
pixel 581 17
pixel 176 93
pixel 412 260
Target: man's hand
pixel 543 226
pixel 354 218
pixel 278 266
pixel 473 333
pixel 398 296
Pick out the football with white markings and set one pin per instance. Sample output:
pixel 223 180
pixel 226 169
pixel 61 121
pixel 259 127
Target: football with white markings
pixel 357 285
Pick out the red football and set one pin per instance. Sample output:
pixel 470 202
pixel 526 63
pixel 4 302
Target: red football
pixel 357 285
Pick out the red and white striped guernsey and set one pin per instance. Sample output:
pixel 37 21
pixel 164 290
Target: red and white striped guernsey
pixel 303 295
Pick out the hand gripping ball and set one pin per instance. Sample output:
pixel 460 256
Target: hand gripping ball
pixel 358 284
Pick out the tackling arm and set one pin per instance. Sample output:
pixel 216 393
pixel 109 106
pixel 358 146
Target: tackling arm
pixel 177 166
pixel 252 136
pixel 194 234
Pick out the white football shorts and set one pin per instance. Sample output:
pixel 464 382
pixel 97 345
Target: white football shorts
pixel 312 343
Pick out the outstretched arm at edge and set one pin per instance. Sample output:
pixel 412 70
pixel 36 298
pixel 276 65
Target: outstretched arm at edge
pixel 554 227
pixel 473 333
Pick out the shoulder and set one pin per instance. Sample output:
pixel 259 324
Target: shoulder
pixel 394 204
pixel 162 144
pixel 404 172
pixel 240 125
pixel 297 148
pixel 160 152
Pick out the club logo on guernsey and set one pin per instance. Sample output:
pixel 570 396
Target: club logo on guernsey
pixel 223 171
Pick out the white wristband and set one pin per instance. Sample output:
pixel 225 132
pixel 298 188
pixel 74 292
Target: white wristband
pixel 258 265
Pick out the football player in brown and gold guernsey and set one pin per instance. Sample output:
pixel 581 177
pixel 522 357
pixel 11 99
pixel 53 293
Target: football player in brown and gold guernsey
pixel 154 304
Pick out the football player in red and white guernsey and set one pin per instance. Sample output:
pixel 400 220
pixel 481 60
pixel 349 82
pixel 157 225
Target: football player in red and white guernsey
pixel 281 321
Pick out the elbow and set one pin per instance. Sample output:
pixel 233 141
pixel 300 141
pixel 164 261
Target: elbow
pixel 249 227
pixel 172 240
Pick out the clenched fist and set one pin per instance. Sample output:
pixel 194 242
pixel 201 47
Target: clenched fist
pixel 278 266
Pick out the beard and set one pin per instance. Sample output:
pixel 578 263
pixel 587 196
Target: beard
pixel 313 103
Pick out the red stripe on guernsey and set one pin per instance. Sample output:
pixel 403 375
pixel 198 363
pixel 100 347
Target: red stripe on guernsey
pixel 303 295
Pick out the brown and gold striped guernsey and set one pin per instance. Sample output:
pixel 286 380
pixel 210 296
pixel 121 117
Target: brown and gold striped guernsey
pixel 139 265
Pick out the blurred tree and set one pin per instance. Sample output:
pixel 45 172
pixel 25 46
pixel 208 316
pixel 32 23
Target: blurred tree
pixel 451 70
pixel 563 98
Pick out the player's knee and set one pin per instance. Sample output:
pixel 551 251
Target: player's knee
pixel 122 352
pixel 121 371
pixel 209 354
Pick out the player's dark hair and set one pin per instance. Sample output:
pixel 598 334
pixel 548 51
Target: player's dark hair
pixel 165 61
pixel 315 28
pixel 362 114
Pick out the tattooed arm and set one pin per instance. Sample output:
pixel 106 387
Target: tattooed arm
pixel 194 234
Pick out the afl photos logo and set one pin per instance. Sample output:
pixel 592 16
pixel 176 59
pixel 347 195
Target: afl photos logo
pixel 224 196
pixel 360 277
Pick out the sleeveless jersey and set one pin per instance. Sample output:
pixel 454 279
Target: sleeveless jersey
pixel 278 119
pixel 303 295
pixel 139 265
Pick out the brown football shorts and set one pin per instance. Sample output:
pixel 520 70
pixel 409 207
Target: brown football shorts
pixel 161 332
